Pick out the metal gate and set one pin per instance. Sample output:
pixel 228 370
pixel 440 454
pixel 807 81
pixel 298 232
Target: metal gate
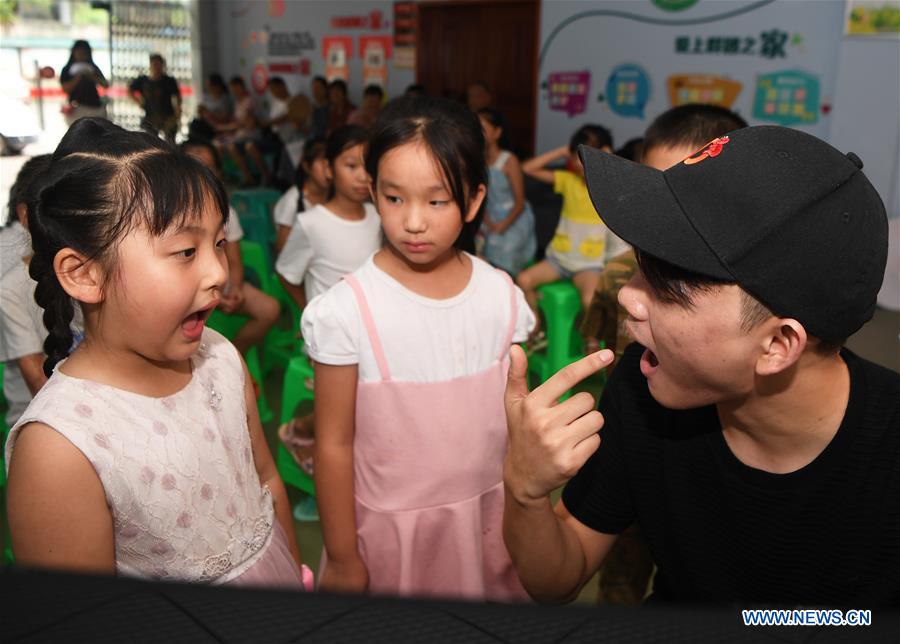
pixel 138 29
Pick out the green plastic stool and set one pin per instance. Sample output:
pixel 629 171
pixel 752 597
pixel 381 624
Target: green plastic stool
pixel 283 344
pixel 257 261
pixel 254 207
pixel 280 344
pixel 228 325
pixel 295 391
pixel 560 303
pixel 233 174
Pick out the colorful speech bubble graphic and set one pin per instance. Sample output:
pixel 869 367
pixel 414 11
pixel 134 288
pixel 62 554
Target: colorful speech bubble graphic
pixel 787 98
pixel 568 91
pixel 702 88
pixel 628 90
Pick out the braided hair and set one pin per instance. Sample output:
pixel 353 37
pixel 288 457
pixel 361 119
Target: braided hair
pixel 313 149
pixel 103 182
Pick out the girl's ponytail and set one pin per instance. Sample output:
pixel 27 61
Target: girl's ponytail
pixel 312 150
pixel 49 294
pixel 58 312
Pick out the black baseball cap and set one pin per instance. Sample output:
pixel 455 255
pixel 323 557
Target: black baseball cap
pixel 783 214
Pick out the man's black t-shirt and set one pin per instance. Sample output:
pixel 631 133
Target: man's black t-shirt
pixel 827 534
pixel 157 95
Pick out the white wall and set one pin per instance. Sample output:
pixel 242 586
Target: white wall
pixel 867 111
pixel 599 36
pixel 235 20
pixel 859 77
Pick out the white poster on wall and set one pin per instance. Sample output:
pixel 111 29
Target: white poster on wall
pixel 621 64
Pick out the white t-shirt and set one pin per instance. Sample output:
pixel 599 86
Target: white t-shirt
pixel 22 334
pixel 285 131
pixel 233 230
pixel 15 243
pixel 323 247
pixel 285 211
pixel 424 339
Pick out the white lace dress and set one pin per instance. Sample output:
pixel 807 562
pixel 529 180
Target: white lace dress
pixel 178 473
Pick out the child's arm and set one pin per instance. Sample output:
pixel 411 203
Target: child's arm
pixel 536 167
pixel 513 171
pixel 293 261
pixel 281 236
pixel 58 517
pixel 335 406
pixel 265 467
pixel 233 300
pixel 32 368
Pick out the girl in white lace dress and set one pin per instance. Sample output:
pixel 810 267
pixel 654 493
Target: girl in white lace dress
pixel 143 454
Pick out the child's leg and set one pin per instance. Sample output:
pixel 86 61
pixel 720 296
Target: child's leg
pixel 255 154
pixel 532 277
pixel 586 283
pixel 263 311
pixel 240 162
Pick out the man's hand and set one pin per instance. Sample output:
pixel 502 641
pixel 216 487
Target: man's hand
pixel 549 441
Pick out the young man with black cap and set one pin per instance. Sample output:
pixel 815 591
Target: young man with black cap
pixel 761 460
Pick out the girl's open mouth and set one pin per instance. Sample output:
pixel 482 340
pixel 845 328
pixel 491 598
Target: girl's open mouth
pixel 194 323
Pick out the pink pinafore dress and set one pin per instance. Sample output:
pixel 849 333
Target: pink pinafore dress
pixel 428 477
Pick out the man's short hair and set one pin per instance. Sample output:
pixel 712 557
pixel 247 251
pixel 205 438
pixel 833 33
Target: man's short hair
pixel 373 90
pixel 157 57
pixel 677 285
pixel 692 125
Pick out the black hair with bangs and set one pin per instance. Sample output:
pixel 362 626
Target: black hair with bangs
pixel 23 187
pixel 454 137
pixel 673 284
pixel 340 140
pixel 103 182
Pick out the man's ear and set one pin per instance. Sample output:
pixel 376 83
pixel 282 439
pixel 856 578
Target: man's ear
pixel 80 277
pixel 475 203
pixel 783 344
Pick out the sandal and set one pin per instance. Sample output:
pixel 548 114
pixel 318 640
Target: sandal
pixel 299 446
pixel 537 341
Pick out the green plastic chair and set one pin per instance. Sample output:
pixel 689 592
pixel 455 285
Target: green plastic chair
pixel 283 344
pixel 257 262
pixel 560 303
pixel 297 375
pixel 254 208
pixel 233 174
pixel 228 324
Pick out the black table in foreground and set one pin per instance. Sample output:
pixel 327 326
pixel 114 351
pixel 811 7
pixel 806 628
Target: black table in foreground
pixel 53 607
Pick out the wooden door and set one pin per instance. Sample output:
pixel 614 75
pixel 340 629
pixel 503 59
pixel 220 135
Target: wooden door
pixel 493 42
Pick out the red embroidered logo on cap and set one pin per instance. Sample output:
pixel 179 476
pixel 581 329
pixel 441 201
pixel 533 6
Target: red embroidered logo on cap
pixel 711 149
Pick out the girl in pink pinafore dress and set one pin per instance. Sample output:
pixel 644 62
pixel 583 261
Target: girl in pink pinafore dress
pixel 143 455
pixel 411 359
